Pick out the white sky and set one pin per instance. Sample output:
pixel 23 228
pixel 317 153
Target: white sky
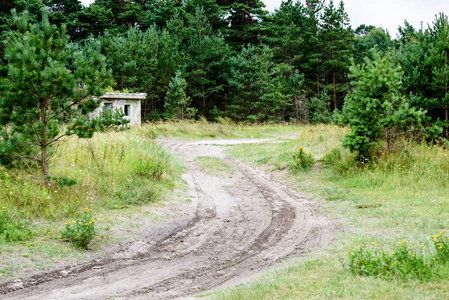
pixel 388 14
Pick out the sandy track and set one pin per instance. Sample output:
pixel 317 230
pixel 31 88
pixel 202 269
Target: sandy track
pixel 236 226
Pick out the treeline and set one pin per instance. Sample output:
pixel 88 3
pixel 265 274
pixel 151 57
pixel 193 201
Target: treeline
pixel 234 59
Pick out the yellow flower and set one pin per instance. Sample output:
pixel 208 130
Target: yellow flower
pixel 420 246
pixel 439 234
pixel 373 243
pixel 3 207
pixel 441 247
pixel 361 245
pixel 403 241
pixel 73 221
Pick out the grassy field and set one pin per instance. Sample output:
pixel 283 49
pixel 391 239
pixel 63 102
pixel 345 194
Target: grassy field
pixel 121 176
pixel 399 200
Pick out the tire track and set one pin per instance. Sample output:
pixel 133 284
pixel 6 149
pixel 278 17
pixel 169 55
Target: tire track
pixel 241 225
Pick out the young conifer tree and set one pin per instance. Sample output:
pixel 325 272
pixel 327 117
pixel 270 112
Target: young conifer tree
pixel 40 95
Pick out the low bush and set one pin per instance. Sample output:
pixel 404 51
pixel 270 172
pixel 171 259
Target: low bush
pixel 403 261
pixel 302 160
pixel 332 158
pixel 81 231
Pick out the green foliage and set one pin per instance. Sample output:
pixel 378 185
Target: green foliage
pixel 176 100
pixel 375 109
pixel 332 158
pixel 39 94
pixel 64 181
pixel 318 109
pixel 81 231
pixel 302 160
pixel 112 120
pixel 12 230
pixel 400 262
pixel 441 243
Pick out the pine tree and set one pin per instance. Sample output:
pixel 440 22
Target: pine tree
pixel 338 40
pixel 439 56
pixel 204 60
pixel 375 109
pixel 40 94
pixel 176 100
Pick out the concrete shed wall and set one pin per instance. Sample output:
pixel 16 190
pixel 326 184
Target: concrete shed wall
pixel 118 101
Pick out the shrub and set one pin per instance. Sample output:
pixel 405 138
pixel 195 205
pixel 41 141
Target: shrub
pixel 332 158
pixel 81 231
pixel 302 160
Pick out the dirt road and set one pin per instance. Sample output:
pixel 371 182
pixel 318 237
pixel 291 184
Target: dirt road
pixel 236 225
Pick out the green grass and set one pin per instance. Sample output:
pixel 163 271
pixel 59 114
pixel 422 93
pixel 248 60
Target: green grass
pixel 117 173
pixel 402 196
pixel 214 166
pixel 322 277
pixel 224 128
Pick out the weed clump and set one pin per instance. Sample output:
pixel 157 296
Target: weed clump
pixel 441 244
pixel 12 230
pixel 81 231
pixel 404 261
pixel 302 160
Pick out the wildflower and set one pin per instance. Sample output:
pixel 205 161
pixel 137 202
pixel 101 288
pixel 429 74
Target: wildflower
pixel 73 221
pixel 373 243
pixel 420 246
pixel 3 207
pixel 361 245
pixel 403 241
pixel 439 234
pixel 18 177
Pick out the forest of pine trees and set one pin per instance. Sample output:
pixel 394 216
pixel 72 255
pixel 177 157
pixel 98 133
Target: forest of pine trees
pixel 218 58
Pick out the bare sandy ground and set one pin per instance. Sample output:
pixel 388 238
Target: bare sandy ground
pixel 235 226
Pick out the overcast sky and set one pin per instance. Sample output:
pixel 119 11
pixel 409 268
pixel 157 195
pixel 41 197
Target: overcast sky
pixel 388 14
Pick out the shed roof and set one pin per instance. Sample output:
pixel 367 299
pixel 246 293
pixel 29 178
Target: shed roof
pixel 125 96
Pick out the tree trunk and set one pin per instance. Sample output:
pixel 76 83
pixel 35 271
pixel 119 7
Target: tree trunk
pixel 204 100
pixel 296 109
pixel 43 144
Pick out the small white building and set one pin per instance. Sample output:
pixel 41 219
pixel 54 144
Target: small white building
pixel 129 103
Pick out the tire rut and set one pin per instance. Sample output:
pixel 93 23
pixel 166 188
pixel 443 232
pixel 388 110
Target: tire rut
pixel 242 225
